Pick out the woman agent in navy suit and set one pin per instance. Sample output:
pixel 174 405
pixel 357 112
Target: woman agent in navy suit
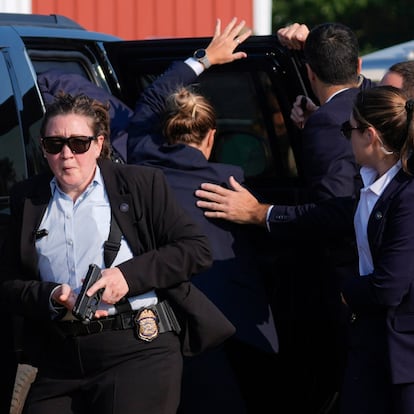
pixel 234 282
pixel 379 377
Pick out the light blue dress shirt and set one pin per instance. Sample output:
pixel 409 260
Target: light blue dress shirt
pixel 76 233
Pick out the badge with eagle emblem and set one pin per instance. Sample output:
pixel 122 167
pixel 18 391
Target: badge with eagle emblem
pixel 146 323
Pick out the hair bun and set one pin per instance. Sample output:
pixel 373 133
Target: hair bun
pixel 409 105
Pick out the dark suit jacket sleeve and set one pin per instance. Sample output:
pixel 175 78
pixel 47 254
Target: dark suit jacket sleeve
pixel 21 292
pixel 144 135
pixel 331 218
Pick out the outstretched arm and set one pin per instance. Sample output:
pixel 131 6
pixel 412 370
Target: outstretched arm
pixel 235 204
pixel 221 48
pixel 306 221
pixel 143 135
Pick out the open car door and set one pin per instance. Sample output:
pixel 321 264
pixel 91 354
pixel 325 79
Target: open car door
pixel 252 97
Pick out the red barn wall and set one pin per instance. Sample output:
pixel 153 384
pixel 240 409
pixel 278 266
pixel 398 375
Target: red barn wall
pixel 144 19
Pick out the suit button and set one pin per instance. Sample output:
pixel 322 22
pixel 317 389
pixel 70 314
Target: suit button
pixel 124 207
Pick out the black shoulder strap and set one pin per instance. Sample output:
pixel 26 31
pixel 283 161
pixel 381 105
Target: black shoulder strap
pixel 112 245
pixel 111 248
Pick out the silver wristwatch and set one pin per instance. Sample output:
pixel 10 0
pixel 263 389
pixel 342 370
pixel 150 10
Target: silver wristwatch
pixel 201 56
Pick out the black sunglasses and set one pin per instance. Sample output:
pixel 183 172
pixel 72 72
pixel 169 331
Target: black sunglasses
pixel 78 145
pixel 347 129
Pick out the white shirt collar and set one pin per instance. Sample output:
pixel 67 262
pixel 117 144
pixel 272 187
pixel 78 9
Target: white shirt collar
pixel 336 93
pixel 377 186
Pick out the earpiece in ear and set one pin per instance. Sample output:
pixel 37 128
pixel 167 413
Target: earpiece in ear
pixel 385 151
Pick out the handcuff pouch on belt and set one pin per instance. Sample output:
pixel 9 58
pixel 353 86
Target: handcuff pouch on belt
pixel 146 324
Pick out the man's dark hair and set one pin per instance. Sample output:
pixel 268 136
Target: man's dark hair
pixel 406 71
pixel 332 52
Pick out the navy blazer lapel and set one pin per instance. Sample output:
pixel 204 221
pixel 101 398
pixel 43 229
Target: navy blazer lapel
pixel 377 218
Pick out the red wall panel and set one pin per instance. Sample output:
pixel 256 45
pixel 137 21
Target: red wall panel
pixel 143 19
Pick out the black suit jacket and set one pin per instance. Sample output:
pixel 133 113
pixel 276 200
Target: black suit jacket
pixel 168 249
pixel 329 165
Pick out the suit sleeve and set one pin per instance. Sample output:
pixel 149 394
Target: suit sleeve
pixel 21 292
pixel 144 136
pixel 325 220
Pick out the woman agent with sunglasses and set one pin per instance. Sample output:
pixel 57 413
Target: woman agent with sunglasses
pixel 128 358
pixel 379 377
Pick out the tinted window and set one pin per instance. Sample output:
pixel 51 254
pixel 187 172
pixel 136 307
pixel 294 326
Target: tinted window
pixel 251 129
pixel 12 158
pixel 250 124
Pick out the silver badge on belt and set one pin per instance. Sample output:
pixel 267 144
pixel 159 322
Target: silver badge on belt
pixel 146 323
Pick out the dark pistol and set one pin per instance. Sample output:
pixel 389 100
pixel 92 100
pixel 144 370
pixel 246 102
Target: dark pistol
pixel 86 306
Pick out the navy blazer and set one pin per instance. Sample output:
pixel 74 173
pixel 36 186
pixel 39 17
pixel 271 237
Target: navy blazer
pixel 167 245
pixel 234 282
pixel 389 291
pixel 328 162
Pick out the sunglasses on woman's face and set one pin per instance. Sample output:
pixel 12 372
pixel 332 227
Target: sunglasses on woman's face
pixel 78 145
pixel 347 129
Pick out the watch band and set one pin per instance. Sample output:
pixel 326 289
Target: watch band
pixel 201 56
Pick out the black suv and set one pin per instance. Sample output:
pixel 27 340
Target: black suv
pixel 253 99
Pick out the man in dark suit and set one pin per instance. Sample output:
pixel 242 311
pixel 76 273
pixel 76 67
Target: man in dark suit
pixel 329 169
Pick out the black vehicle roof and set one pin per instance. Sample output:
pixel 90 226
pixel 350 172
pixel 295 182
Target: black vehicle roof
pixel 39 20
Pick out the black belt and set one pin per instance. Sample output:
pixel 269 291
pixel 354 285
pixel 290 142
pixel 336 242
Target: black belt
pixel 165 321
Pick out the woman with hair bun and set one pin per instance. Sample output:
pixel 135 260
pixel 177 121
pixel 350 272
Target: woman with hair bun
pixel 173 128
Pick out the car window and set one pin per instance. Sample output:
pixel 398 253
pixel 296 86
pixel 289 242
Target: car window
pixel 251 129
pixel 66 61
pixel 250 122
pixel 12 158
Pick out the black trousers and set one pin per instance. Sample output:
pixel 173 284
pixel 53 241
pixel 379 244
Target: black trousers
pixel 109 372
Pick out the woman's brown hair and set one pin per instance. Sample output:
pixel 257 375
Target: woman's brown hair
pixel 85 106
pixel 188 117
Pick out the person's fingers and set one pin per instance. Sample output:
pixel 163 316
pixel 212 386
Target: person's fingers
pixel 210 205
pixel 293 36
pixel 217 30
pixel 235 33
pixel 229 27
pixel 65 292
pixel 208 197
pixel 100 313
pixel 234 184
pixel 214 189
pixel 215 214
pixel 242 37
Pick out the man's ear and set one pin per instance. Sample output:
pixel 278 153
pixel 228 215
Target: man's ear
pixel 310 72
pixel 359 68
